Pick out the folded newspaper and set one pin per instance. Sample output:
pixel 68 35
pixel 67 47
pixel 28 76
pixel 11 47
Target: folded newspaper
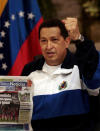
pixel 15 100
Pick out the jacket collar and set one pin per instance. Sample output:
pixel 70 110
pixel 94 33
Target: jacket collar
pixel 68 62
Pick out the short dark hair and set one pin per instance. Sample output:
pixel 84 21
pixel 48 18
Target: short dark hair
pixel 54 23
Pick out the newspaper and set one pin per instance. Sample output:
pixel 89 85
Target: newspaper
pixel 15 100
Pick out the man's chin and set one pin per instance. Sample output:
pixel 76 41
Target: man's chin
pixel 52 62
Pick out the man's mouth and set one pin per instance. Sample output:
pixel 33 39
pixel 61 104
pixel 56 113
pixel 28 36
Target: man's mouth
pixel 50 54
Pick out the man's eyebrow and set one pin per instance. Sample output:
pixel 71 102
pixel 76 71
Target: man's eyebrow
pixel 42 37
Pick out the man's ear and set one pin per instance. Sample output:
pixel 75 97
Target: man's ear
pixel 67 40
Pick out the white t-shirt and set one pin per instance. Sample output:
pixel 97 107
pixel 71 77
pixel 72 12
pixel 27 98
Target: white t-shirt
pixel 50 69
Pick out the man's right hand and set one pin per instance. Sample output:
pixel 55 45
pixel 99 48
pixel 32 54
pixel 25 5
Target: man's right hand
pixel 72 27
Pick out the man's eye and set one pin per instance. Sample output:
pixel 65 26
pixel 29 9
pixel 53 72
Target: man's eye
pixel 42 41
pixel 54 40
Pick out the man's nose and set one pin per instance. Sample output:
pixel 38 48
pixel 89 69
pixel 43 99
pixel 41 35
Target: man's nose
pixel 49 44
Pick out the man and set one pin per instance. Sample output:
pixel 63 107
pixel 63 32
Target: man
pixel 61 80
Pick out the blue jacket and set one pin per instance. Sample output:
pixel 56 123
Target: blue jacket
pixel 68 109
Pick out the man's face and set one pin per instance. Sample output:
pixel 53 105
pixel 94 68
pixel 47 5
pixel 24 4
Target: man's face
pixel 53 45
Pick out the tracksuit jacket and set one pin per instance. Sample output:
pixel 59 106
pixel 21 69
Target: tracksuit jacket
pixel 61 101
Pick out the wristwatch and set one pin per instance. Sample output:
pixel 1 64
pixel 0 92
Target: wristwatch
pixel 81 38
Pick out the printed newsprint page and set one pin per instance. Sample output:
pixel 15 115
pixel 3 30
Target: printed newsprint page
pixel 15 103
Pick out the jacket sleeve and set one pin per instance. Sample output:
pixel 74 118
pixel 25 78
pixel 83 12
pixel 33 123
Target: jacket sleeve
pixel 89 63
pixel 94 83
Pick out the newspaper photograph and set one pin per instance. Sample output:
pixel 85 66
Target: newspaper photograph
pixel 15 100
